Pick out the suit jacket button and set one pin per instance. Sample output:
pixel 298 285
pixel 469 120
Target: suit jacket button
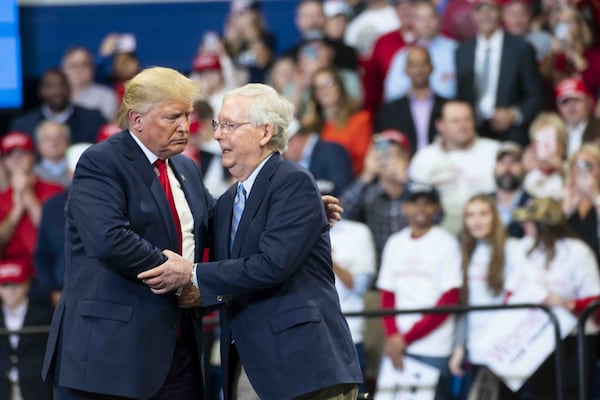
pixel 219 298
pixel 14 360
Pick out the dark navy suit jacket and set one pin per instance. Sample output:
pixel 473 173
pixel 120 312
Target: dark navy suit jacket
pixel 519 82
pixel 110 334
pixel 331 165
pixel 49 253
pixel 397 115
pixel 282 308
pixel 29 354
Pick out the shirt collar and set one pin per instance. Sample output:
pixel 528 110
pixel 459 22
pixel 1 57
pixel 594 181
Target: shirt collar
pixel 495 41
pixel 249 182
pixel 61 117
pixel 149 155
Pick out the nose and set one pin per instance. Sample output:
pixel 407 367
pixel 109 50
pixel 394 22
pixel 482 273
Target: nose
pixel 217 133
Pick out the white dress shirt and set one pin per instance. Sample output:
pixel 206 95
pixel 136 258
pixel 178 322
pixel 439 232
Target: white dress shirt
pixel 487 100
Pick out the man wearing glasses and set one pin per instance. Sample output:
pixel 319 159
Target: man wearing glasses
pixel 283 335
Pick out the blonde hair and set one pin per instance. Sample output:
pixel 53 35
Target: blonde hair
pixel 585 33
pixel 550 119
pixel 267 108
pixel 154 86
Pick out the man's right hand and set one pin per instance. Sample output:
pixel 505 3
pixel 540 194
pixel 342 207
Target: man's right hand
pixel 394 349
pixel 174 273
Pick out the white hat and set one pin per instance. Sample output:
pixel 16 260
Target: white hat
pixel 331 8
pixel 74 152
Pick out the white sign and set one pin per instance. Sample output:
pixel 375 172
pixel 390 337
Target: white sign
pixel 516 342
pixel 417 381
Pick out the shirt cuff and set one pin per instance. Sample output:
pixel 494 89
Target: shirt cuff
pixel 518 116
pixel 193 278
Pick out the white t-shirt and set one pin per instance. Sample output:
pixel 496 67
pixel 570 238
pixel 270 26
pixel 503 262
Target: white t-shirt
pixel 572 274
pixel 418 271
pixel 353 249
pixel 479 292
pixel 457 174
pixel 539 184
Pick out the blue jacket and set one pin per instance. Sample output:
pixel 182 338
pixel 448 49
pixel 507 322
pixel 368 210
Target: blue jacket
pixel 110 334
pixel 277 286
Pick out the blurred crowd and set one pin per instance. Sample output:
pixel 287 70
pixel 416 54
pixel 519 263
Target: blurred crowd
pixel 461 136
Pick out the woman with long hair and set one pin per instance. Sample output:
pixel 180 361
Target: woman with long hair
pixel 486 261
pixel 581 203
pixel 335 116
pixel 562 271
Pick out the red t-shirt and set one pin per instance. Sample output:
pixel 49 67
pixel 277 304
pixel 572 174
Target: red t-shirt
pixel 22 243
pixel 376 68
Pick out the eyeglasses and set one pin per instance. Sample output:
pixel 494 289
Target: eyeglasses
pixel 227 126
pixel 324 84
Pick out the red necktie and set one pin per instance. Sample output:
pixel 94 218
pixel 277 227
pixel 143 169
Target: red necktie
pixel 163 178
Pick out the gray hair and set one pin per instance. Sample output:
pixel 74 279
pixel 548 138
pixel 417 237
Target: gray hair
pixel 267 108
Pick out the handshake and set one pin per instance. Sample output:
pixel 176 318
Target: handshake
pixel 173 274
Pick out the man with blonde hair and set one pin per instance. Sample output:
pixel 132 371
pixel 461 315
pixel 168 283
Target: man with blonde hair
pixel 283 335
pixel 132 196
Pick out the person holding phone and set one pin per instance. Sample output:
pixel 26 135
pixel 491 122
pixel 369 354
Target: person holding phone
pixel 581 203
pixel 549 142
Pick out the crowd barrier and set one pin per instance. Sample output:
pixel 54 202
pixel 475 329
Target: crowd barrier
pixel 581 348
pixel 558 353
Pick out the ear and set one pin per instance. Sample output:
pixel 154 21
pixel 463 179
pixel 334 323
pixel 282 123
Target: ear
pixel 135 120
pixel 268 131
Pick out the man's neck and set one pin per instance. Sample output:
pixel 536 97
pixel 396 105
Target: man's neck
pixel 421 93
pixel 488 35
pixel 450 146
pixel 417 232
pixel 505 197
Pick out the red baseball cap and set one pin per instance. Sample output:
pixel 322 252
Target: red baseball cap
pixel 16 141
pixel 571 88
pixel 106 131
pixel 206 62
pixel 15 271
pixel 397 137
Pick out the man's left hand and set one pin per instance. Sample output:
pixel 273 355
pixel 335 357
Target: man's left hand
pixel 190 297
pixel 172 274
pixel 333 209
pixel 503 119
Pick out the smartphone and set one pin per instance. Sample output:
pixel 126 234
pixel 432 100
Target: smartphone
pixel 382 145
pixel 545 142
pixel 126 43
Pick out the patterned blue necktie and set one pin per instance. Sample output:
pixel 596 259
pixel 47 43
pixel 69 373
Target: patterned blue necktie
pixel 238 208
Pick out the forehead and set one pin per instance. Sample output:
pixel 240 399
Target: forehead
pixel 173 105
pixel 416 54
pixel 455 110
pixel 508 158
pixel 234 107
pixel 54 78
pixel 78 55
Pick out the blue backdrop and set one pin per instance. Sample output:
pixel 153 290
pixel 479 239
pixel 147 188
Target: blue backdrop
pixel 167 33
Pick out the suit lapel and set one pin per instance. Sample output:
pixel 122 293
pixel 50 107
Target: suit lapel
pixel 143 167
pixel 223 227
pixel 259 189
pixel 405 112
pixel 191 196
